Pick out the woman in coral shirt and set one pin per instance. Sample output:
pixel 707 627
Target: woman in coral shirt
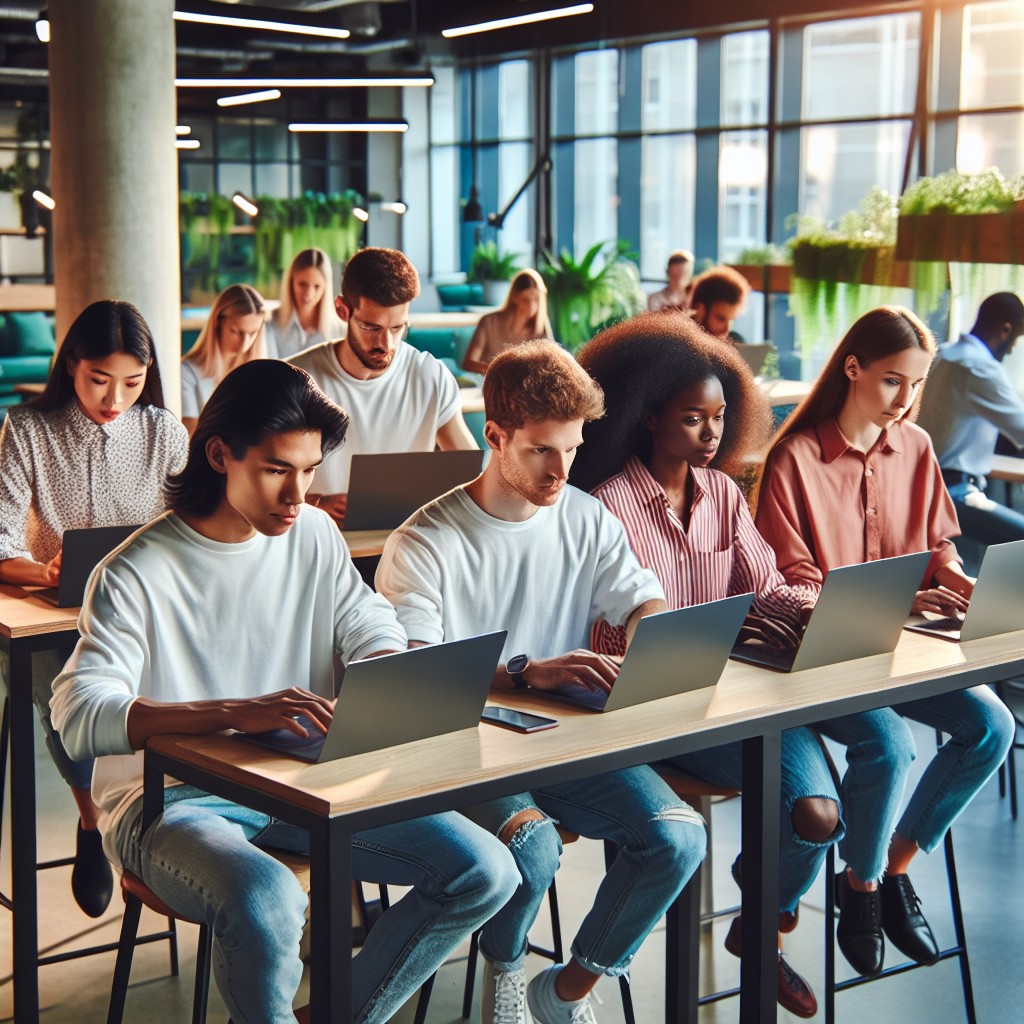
pixel 849 479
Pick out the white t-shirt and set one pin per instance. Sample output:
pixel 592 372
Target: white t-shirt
pixel 399 411
pixel 195 389
pixel 175 616
pixel 453 571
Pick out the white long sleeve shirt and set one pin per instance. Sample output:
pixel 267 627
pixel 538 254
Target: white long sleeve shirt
pixel 175 616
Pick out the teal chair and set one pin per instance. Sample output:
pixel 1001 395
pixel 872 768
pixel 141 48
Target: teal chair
pixel 456 297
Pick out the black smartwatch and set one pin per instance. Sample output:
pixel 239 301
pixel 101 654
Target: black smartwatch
pixel 515 667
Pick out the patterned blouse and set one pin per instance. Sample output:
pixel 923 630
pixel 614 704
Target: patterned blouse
pixel 59 470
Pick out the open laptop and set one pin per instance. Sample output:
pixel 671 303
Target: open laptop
pixel 997 604
pixel 385 489
pixel 398 698
pixel 81 551
pixel 754 354
pixel 860 612
pixel 671 652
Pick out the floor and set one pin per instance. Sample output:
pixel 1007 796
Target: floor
pixel 990 856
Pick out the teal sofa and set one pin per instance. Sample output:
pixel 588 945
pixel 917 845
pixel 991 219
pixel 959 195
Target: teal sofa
pixel 455 298
pixel 27 346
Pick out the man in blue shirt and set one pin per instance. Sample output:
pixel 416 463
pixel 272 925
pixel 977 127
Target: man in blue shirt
pixel 968 403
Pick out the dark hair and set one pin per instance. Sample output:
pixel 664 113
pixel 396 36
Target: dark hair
pixel 537 381
pixel 384 276
pixel 880 333
pixel 996 310
pixel 100 330
pixel 719 284
pixel 642 364
pixel 255 400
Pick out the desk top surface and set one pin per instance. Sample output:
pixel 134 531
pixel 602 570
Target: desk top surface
pixel 744 697
pixel 1008 467
pixel 22 614
pixel 785 392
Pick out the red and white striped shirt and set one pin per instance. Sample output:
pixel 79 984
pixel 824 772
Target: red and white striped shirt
pixel 720 555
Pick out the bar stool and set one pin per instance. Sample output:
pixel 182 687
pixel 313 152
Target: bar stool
pixel 957 951
pixel 1011 693
pixel 136 895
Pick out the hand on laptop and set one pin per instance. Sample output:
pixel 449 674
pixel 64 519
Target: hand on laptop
pixel 335 505
pixel 295 709
pixel 769 631
pixel 582 668
pixel 940 601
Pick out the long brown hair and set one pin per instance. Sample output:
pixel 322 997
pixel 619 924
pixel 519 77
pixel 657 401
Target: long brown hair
pixel 881 332
pixel 236 300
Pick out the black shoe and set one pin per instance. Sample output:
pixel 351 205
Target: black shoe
pixel 859 931
pixel 903 921
pixel 92 882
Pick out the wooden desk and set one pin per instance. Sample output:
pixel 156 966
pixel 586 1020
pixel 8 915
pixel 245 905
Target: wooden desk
pixel 334 801
pixel 27 624
pixel 785 392
pixel 1007 467
pixel 472 399
pixel 27 298
pixel 365 543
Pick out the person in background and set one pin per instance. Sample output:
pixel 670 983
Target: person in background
pixel 305 316
pixel 523 318
pixel 399 399
pixel 94 449
pixel 194 626
pixel 233 334
pixel 968 403
pixel 849 479
pixel 719 295
pixel 677 404
pixel 516 549
pixel 676 294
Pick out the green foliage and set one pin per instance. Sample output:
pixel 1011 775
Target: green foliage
pixel 953 192
pixel 762 256
pixel 487 264
pixel 585 296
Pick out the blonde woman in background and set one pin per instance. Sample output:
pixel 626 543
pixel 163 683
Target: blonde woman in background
pixel 523 318
pixel 231 336
pixel 306 314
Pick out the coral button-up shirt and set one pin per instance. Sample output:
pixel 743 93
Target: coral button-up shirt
pixel 824 504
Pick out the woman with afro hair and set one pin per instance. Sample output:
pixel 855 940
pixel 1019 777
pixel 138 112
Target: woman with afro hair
pixel 683 415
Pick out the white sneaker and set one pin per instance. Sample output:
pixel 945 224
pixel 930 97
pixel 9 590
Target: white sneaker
pixel 547 1008
pixel 504 996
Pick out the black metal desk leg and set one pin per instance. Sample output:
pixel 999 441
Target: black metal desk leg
pixel 24 893
pixel 682 953
pixel 761 795
pixel 330 854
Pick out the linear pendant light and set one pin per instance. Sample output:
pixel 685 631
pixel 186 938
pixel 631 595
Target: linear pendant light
pixel 301 83
pixel 231 21
pixel 349 126
pixel 520 19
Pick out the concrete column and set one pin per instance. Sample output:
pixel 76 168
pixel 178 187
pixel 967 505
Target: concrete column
pixel 114 165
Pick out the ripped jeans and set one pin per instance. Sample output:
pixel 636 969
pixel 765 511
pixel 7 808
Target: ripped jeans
pixel 661 841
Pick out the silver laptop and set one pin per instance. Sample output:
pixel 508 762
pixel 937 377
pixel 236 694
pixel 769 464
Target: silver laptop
pixel 81 551
pixel 997 604
pixel 385 489
pixel 860 612
pixel 671 652
pixel 398 698
pixel 754 354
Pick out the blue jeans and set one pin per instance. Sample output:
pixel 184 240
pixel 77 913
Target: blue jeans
pixel 203 858
pixel 879 753
pixel 805 773
pixel 982 519
pixel 660 842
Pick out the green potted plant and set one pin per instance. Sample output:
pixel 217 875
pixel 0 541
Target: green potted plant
pixel 493 270
pixel 765 267
pixel 587 295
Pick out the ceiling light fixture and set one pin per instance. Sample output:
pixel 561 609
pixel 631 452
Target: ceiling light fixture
pixel 43 27
pixel 360 214
pixel 249 97
pixel 245 204
pixel 43 199
pixel 186 143
pixel 351 126
pixel 396 207
pixel 302 83
pixel 183 129
pixel 269 26
pixel 521 19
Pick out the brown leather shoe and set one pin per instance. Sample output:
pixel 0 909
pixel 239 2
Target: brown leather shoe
pixel 794 994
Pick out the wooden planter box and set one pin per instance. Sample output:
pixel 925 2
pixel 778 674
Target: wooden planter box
pixel 881 266
pixel 963 237
pixel 773 278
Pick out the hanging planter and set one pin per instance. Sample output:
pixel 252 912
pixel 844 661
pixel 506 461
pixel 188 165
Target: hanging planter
pixel 774 278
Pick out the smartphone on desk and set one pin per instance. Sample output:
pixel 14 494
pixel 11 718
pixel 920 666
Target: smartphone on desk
pixel 521 721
